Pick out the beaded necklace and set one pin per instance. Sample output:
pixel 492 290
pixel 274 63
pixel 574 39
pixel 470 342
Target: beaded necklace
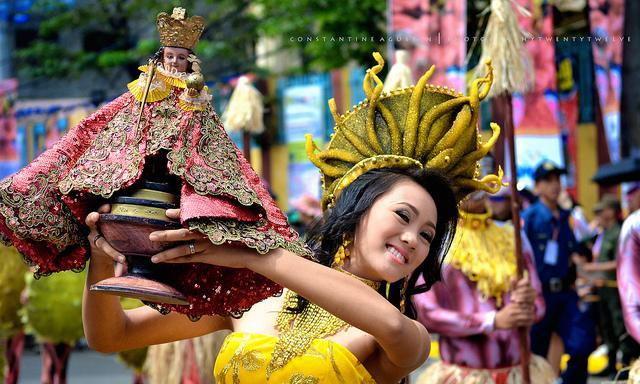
pixel 298 330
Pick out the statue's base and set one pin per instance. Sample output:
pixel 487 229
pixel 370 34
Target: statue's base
pixel 145 280
pixel 134 215
pixel 140 288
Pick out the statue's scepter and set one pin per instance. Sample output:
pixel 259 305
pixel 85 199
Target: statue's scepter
pixel 151 70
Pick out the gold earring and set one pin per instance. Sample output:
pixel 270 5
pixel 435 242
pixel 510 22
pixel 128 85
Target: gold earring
pixel 403 294
pixel 342 253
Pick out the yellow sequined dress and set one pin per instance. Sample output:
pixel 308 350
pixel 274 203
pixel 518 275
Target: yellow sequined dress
pixel 244 358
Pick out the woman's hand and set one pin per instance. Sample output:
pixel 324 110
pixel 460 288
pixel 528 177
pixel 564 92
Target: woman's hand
pixel 198 248
pixel 100 248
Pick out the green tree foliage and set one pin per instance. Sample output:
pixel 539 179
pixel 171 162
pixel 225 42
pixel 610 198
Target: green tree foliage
pixel 121 33
pixel 321 29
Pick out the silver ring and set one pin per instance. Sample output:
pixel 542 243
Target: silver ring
pixel 96 238
pixel 192 248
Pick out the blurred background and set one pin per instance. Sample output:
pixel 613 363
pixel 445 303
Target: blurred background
pixel 60 60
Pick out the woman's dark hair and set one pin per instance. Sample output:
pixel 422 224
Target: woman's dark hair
pixel 326 236
pixel 159 58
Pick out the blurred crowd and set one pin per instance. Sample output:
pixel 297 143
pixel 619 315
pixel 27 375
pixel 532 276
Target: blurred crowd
pixel 576 260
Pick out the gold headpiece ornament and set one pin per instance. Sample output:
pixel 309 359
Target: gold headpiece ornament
pixel 422 126
pixel 177 31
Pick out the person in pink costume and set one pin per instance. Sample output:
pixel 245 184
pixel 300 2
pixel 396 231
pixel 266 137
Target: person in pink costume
pixel 628 261
pixel 477 306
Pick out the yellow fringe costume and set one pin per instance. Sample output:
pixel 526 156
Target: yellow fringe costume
pixel 485 253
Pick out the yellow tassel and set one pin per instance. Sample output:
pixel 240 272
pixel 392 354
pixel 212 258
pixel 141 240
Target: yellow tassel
pixel 245 109
pixel 400 75
pixel 503 43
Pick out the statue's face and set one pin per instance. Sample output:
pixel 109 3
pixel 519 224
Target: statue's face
pixel 175 59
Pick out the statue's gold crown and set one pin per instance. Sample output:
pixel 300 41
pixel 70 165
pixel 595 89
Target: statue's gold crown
pixel 423 126
pixel 177 31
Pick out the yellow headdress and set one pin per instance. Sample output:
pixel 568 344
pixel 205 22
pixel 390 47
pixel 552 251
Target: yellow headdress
pixel 176 31
pixel 422 126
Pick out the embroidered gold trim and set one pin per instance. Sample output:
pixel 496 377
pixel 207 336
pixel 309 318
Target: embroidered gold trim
pixel 250 234
pixel 93 172
pixel 300 378
pixel 222 173
pixel 38 214
pixel 165 127
pixel 249 361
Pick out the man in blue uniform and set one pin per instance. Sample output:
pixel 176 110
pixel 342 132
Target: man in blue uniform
pixel 553 243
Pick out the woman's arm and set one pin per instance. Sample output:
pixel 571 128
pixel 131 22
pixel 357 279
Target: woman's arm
pixel 108 328
pixel 405 342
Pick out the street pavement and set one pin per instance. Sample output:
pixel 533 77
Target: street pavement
pixel 85 367
pixel 88 367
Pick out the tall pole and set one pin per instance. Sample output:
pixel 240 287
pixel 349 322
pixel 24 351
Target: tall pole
pixel 523 332
pixel 503 43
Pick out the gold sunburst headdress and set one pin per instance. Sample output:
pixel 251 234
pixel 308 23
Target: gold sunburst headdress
pixel 177 31
pixel 423 126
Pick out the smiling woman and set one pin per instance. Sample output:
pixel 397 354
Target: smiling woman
pixel 393 230
pixel 392 175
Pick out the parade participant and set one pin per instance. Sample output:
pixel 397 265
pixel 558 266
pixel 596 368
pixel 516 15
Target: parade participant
pixel 478 306
pixel 12 335
pixel 43 207
pixel 347 317
pixel 307 210
pixel 500 204
pixel 578 221
pixel 603 273
pixel 52 314
pixel 628 272
pixel 547 228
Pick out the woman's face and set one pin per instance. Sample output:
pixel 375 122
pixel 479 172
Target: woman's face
pixel 175 59
pixel 393 237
